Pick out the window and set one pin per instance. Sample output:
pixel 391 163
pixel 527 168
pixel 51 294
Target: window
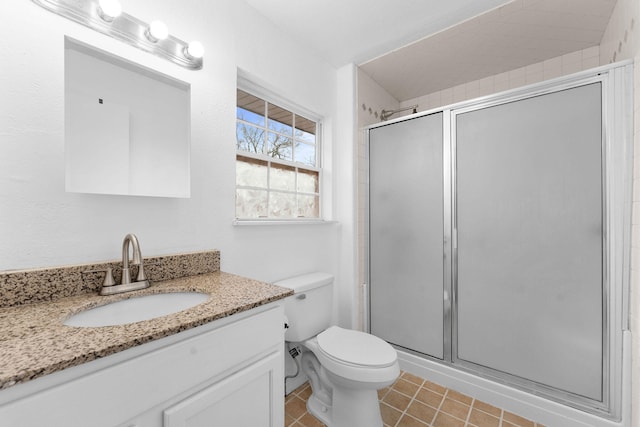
pixel 277 173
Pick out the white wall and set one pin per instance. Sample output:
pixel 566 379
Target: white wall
pixel 346 202
pixel 41 225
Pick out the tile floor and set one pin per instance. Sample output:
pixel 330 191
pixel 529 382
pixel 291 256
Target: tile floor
pixel 414 402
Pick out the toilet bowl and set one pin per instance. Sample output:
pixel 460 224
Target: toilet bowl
pixel 345 367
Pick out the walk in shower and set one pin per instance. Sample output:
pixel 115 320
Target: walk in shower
pixel 499 237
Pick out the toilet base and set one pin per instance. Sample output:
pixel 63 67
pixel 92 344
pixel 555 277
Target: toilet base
pixel 356 408
pixel 351 408
pixel 319 410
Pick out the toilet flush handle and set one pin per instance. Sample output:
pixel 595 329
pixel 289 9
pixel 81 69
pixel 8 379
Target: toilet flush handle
pixel 301 296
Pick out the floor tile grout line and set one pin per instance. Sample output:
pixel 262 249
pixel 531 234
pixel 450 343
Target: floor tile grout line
pixel 444 397
pixel 438 409
pixel 466 422
pixel 413 398
pixel 297 394
pixel 410 401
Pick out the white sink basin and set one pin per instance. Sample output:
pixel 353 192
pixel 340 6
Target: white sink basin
pixel 136 309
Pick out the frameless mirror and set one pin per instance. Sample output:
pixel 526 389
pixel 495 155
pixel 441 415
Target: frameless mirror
pixel 127 128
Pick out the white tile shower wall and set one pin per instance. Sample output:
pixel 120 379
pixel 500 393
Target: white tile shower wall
pixel 372 99
pixel 620 39
pixel 540 71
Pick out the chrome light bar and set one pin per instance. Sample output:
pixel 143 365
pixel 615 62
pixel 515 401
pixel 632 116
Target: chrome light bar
pixel 112 22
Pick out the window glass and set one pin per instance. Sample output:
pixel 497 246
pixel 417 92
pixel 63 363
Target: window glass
pixel 250 108
pixel 305 153
pixel 282 205
pixel 283 177
pixel 308 206
pixel 277 174
pixel 251 203
pixel 308 181
pixel 280 146
pixel 249 138
pixel 280 120
pixel 305 130
pixel 251 172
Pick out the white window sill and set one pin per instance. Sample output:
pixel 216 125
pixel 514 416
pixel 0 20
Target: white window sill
pixel 253 222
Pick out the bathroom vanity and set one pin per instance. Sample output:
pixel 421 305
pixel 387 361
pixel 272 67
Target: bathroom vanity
pixel 196 367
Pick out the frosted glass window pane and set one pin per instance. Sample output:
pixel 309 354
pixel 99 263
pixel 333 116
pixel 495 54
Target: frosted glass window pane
pixel 283 177
pixel 308 206
pixel 249 138
pixel 251 172
pixel 280 120
pixel 305 153
pixel 282 205
pixel 280 146
pixel 251 203
pixel 529 219
pixel 308 181
pixel 250 108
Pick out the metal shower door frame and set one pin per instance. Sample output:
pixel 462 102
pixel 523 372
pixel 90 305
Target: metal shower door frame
pixel 566 398
pixel 617 163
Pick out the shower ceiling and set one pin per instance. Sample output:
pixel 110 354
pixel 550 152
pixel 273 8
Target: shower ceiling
pixel 416 47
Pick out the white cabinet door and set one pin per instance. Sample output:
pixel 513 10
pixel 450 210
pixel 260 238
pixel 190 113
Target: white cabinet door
pixel 242 399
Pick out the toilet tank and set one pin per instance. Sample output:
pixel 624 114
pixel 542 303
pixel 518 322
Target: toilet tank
pixel 309 309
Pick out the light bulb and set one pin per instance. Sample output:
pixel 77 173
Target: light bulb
pixel 157 31
pixel 109 9
pixel 195 50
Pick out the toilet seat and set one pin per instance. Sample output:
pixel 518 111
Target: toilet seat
pixel 356 348
pixel 356 356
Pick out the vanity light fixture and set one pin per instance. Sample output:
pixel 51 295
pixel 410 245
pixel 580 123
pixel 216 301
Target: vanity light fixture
pixel 156 31
pixel 109 10
pixel 106 16
pixel 194 50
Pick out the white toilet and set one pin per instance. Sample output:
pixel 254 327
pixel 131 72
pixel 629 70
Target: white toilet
pixel 345 367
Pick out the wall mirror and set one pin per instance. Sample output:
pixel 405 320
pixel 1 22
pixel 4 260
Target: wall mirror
pixel 127 127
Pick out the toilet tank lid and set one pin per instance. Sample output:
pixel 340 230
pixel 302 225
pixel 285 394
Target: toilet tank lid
pixel 306 282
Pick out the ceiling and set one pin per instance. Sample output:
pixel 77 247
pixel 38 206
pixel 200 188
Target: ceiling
pixel 416 47
pixel 345 31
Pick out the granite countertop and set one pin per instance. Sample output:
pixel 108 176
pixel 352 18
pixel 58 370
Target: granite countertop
pixel 34 342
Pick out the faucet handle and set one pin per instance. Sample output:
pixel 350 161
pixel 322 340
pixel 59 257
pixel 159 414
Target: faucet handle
pixel 108 276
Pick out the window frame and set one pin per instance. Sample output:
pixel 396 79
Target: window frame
pixel 272 99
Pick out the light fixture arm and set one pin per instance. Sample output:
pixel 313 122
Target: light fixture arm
pixel 125 28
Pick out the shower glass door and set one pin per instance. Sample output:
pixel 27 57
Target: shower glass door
pixel 529 224
pixel 406 228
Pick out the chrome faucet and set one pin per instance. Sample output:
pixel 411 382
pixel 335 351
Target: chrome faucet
pixel 126 284
pixel 137 259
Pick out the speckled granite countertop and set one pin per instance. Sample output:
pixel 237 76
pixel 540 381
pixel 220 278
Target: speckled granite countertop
pixel 34 342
